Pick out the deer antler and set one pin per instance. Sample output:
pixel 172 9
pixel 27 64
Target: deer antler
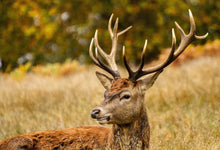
pixel 174 53
pixel 110 59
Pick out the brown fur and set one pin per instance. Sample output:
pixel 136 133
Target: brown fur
pixel 88 137
pixel 134 136
pixel 118 85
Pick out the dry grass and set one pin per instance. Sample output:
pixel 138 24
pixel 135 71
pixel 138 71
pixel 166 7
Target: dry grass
pixel 183 105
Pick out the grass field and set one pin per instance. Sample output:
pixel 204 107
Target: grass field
pixel 183 105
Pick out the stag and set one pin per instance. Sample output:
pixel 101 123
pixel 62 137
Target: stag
pixel 123 105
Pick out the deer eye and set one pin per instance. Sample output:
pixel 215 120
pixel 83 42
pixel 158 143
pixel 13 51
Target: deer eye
pixel 126 96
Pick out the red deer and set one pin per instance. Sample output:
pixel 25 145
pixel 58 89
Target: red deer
pixel 123 104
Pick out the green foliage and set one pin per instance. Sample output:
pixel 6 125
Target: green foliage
pixel 54 30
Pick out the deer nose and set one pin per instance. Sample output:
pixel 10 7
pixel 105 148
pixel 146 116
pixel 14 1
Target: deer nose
pixel 95 113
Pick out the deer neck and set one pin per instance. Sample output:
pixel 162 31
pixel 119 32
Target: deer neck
pixel 131 136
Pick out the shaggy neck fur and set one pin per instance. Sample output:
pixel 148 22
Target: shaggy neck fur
pixel 133 136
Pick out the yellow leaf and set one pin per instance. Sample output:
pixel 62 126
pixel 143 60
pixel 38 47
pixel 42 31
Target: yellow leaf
pixel 29 30
pixel 49 30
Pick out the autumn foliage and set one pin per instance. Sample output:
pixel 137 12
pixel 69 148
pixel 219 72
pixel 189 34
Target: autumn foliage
pixel 51 31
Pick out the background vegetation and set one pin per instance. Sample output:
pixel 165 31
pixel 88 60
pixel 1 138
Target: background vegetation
pixel 43 31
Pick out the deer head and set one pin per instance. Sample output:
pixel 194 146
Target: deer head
pixel 124 97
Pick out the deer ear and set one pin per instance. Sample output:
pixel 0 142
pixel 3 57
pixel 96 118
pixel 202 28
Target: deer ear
pixel 148 81
pixel 104 79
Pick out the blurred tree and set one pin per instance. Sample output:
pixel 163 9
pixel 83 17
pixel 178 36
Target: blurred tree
pixel 43 31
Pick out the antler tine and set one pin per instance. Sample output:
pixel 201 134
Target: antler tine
pixel 110 59
pixel 142 56
pixel 185 41
pixel 114 36
pixel 165 63
pixel 98 62
pixel 109 25
pixel 182 33
pixel 133 74
pixel 114 42
pixel 130 72
pixel 91 53
pixel 110 28
pixel 192 23
pixel 95 61
pixel 115 74
pixel 100 50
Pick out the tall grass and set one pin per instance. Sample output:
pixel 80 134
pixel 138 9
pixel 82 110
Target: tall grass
pixel 183 105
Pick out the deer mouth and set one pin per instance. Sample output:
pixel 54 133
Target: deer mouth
pixel 104 119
